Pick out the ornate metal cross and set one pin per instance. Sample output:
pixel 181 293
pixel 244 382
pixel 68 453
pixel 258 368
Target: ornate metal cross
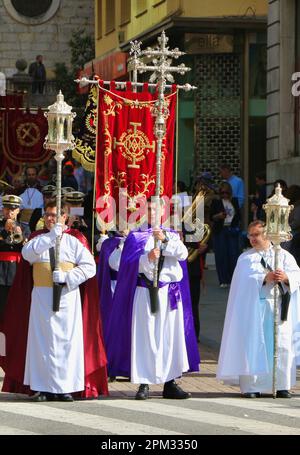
pixel 162 72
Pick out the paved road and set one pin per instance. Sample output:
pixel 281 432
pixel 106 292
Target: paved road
pixel 122 416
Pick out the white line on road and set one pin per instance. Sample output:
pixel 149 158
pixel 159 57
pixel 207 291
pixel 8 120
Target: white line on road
pixel 203 417
pixel 272 406
pixel 82 419
pixel 4 430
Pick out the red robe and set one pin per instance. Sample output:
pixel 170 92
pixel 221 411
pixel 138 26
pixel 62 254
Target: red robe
pixel 15 329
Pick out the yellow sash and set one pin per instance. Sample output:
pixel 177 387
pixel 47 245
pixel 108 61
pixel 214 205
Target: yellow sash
pixel 42 273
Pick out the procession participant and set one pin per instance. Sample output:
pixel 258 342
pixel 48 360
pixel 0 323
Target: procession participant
pixel 11 242
pixel 152 348
pixel 37 221
pixel 107 274
pixel 65 352
pixel 246 355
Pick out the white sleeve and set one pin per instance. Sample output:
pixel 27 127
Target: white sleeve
pixel 33 249
pixel 84 270
pixel 146 266
pixel 175 247
pixel 115 257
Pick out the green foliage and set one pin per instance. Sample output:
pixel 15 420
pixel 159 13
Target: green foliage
pixel 82 49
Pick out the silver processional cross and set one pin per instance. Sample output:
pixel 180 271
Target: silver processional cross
pixel 162 70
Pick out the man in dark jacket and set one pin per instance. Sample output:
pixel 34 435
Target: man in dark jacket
pixel 37 71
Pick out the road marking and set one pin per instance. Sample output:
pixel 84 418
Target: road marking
pixel 272 406
pixel 203 417
pixel 97 422
pixel 4 430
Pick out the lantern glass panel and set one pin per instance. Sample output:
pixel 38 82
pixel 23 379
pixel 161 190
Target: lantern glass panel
pixel 282 219
pixel 272 226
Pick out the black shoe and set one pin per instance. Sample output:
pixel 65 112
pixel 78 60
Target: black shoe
pixel 65 397
pixel 40 397
pixel 283 394
pixel 251 395
pixel 51 396
pixel 143 392
pixel 173 391
pixel 112 379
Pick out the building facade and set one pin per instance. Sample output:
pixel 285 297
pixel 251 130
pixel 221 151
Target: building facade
pixel 283 128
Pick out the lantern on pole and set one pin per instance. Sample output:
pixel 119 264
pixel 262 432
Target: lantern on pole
pixel 277 230
pixel 59 139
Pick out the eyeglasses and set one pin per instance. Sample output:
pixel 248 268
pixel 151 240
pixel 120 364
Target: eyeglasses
pixel 49 215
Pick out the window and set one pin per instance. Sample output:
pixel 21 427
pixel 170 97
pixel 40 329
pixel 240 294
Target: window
pixel 110 16
pixel 125 11
pixel 34 12
pixel 99 19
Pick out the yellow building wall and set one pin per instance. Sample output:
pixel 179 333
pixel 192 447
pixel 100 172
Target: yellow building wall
pixel 220 8
pixel 158 10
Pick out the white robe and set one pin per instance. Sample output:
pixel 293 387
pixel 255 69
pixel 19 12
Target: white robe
pixel 55 354
pixel 246 354
pixel 158 349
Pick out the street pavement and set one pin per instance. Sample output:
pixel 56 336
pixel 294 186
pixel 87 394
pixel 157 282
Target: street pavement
pixel 214 409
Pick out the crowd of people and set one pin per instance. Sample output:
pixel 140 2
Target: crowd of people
pixel 60 354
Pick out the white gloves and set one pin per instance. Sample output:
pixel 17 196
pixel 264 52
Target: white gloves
pixel 59 276
pixel 56 231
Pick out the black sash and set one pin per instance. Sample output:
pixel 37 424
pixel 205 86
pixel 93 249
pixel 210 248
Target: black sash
pixel 285 296
pixel 57 287
pixel 153 292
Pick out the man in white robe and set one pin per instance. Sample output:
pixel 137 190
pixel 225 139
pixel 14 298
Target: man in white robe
pixel 152 347
pixel 55 351
pixel 246 355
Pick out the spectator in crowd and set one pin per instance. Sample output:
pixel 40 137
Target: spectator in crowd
pixel 37 71
pixel 225 215
pixel 259 199
pixel 236 183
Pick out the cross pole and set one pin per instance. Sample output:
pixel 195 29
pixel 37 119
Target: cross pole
pixel 162 73
pixel 162 70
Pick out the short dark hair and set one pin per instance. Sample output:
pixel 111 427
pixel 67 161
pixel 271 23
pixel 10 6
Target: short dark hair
pixel 225 166
pixel 258 223
pixel 52 203
pixel 31 167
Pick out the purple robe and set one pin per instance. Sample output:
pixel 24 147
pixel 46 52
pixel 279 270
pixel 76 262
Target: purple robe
pixel 104 282
pixel 119 336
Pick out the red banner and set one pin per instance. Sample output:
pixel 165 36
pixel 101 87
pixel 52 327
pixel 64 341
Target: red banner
pixel 126 145
pixel 22 135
